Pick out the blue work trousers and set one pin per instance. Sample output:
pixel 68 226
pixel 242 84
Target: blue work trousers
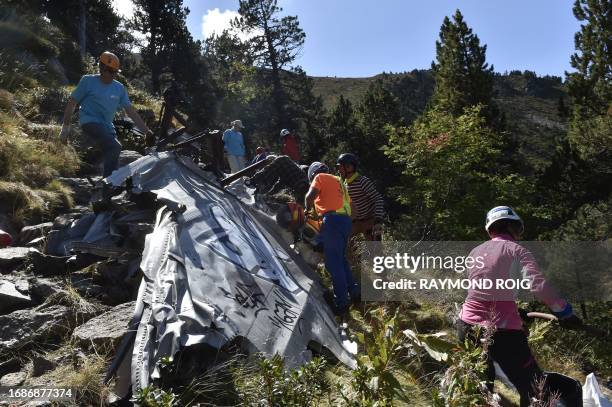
pixel 335 233
pixel 106 138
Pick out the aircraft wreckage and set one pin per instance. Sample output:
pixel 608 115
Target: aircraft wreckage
pixel 215 268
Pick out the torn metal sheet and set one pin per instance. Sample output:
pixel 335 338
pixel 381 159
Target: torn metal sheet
pixel 218 271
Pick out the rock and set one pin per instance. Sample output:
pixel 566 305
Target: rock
pixel 84 283
pixel 22 286
pixel 48 265
pixel 29 233
pixel 13 256
pixel 13 379
pixel 10 366
pixel 42 288
pixel 63 221
pixel 11 299
pixel 81 260
pixel 38 243
pixel 106 329
pixel 81 188
pixel 26 327
pixel 128 156
pixel 41 365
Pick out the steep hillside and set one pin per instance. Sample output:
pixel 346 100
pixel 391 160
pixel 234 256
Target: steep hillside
pixel 529 103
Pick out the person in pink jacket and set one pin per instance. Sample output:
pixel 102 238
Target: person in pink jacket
pixel 497 308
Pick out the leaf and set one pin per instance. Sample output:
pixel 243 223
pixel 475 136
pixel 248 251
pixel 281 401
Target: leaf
pixel 433 344
pixel 373 383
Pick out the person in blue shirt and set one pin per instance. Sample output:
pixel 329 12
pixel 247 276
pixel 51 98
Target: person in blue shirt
pixel 233 144
pixel 100 97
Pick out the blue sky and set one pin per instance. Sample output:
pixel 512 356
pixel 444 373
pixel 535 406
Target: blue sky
pixel 357 38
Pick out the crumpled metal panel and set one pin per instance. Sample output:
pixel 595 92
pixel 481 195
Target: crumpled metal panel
pixel 215 272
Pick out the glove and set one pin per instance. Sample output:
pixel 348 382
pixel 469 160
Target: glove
pixel 571 322
pixel 567 318
pixel 64 133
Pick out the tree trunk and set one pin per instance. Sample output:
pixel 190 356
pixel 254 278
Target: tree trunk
pixel 82 28
pixel 278 93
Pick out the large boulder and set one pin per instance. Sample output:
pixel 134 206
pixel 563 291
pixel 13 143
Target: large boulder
pixel 105 330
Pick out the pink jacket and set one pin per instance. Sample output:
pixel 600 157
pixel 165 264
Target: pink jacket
pixel 501 255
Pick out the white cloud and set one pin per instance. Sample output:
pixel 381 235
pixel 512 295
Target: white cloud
pixel 215 21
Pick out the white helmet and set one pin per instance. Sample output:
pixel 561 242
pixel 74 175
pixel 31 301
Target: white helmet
pixel 501 212
pixel 284 132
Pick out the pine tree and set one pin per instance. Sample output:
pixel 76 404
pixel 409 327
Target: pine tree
pixel 463 77
pixel 562 109
pixel 173 57
pixel 164 24
pixel 275 42
pixel 590 87
pixel 342 123
pixel 377 109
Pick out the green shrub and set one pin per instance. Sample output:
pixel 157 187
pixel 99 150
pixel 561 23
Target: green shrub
pixel 463 383
pixel 152 396
pixel 272 385
pixel 14 74
pixel 43 104
pixel 375 380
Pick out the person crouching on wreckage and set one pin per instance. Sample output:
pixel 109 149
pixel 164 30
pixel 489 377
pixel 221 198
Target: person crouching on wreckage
pixel 100 97
pixel 281 173
pixel 489 309
pixel 329 197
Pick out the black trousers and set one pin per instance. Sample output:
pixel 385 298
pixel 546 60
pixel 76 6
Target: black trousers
pixel 509 348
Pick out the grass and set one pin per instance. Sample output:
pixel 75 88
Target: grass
pixel 84 376
pixel 27 205
pixel 72 299
pixel 6 99
pixel 32 161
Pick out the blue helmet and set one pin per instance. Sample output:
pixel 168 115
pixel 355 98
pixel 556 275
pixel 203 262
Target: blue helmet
pixel 316 168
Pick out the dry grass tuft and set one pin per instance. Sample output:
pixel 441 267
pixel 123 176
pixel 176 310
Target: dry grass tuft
pixel 85 376
pixel 6 99
pixel 34 205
